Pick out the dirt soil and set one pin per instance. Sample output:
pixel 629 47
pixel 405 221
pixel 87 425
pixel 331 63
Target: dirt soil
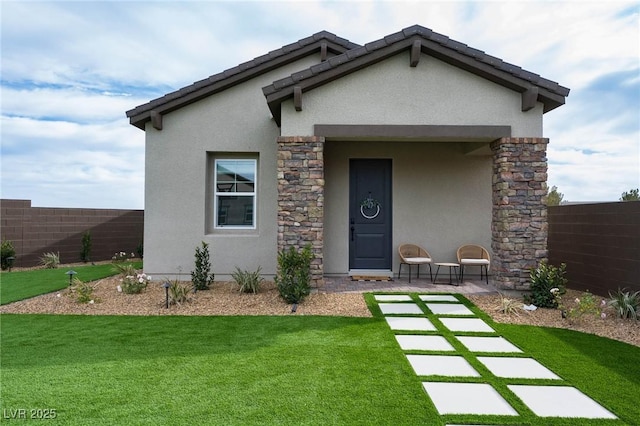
pixel 224 299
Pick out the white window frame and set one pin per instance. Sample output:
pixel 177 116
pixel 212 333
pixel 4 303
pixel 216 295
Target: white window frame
pixel 217 194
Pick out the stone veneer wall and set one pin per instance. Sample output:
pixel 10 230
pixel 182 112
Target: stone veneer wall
pixel 519 219
pixel 301 197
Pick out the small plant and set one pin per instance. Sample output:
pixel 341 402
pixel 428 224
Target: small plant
pixel 124 269
pixel 7 254
pixel 294 274
pixel 50 260
pixel 85 253
pixel 134 284
pixel 140 250
pixel 249 282
pixel 201 276
pixel 121 257
pixel 586 305
pixel 625 303
pixel 508 306
pixel 81 291
pixel 178 293
pixel 543 279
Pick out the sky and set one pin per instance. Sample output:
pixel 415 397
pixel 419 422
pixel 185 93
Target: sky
pixel 70 70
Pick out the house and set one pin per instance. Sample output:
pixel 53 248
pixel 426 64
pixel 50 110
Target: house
pixel 355 150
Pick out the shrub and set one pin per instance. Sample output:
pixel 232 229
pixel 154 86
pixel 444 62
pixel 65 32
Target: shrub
pixel 124 269
pixel 7 255
pixel 85 253
pixel 140 250
pixel 120 257
pixel 81 291
pixel 294 274
pixel 135 284
pixel 625 303
pixel 201 276
pixel 508 306
pixel 544 279
pixel 585 305
pixel 178 293
pixel 249 282
pixel 50 260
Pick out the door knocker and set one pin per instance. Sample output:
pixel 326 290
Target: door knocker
pixel 369 208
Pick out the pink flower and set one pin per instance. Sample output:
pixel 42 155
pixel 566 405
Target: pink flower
pixel 603 315
pixel 577 300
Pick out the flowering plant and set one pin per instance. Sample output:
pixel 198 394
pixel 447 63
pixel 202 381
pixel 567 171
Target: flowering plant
pixel 121 256
pixel 135 284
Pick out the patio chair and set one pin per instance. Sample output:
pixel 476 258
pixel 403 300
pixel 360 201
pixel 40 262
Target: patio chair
pixel 474 255
pixel 410 255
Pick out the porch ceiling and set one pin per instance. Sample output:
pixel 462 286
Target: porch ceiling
pixel 478 135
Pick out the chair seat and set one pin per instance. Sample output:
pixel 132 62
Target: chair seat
pixel 474 261
pixel 416 260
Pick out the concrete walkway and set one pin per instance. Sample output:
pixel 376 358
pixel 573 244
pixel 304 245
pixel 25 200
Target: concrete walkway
pixel 421 327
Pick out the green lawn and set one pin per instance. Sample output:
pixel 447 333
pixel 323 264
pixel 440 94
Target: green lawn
pixel 285 370
pixel 19 285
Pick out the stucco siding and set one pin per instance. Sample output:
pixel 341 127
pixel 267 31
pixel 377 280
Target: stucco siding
pixel 441 198
pixel 392 92
pixel 178 162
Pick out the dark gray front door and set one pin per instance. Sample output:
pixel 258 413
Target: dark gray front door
pixel 370 214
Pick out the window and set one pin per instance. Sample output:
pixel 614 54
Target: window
pixel 235 193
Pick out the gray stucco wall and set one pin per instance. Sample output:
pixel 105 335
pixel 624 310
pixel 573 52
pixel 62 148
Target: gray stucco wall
pixel 176 190
pixel 441 198
pixel 391 92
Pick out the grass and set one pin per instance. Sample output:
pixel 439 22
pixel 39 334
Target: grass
pixel 19 285
pixel 285 370
pixel 209 370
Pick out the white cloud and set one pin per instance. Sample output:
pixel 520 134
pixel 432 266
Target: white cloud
pixel 70 70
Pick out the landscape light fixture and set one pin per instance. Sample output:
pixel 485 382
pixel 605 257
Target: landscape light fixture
pixel 166 286
pixel 71 273
pixel 10 260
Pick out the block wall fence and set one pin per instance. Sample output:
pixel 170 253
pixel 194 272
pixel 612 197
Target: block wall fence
pixel 37 230
pixel 600 243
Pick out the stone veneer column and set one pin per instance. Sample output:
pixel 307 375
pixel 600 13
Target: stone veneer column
pixel 519 219
pixel 301 197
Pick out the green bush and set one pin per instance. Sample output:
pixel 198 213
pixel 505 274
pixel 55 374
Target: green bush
pixel 544 279
pixel 625 303
pixel 7 255
pixel 85 253
pixel 50 260
pixel 294 274
pixel 249 282
pixel 201 276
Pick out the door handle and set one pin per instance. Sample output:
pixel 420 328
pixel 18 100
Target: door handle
pixel 353 228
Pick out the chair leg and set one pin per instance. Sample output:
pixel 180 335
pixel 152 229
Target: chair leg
pixel 430 273
pixel 461 273
pixel 400 270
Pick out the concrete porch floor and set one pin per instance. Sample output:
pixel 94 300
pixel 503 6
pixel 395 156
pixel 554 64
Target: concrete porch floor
pixel 344 284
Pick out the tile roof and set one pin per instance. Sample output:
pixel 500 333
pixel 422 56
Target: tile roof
pixel 349 58
pixel 550 93
pixel 243 72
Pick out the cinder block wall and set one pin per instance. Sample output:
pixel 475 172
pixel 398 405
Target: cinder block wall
pixel 37 230
pixel 600 243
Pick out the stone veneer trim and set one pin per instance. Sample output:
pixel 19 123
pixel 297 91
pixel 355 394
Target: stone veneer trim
pixel 300 166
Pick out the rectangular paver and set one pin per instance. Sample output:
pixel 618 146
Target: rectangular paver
pixel 449 309
pixel 438 298
pixel 467 398
pixel 400 308
pixel 496 344
pixel 560 401
pixel 410 342
pixel 441 365
pixel 520 368
pixel 466 324
pixel 410 324
pixel 392 297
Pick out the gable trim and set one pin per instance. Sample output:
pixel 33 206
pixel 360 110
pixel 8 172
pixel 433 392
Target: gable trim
pixel 323 43
pixel 550 93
